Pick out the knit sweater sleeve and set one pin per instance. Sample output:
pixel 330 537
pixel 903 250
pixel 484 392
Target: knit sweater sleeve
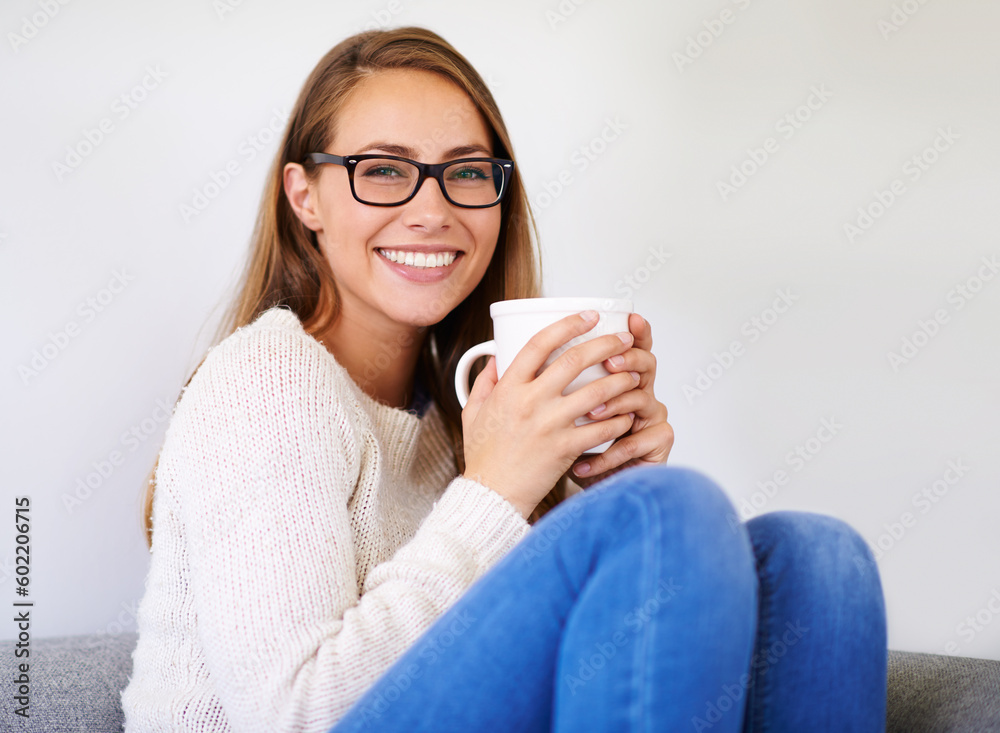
pixel 264 453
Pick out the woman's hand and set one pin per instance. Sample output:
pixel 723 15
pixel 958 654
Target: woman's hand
pixel 520 433
pixel 650 438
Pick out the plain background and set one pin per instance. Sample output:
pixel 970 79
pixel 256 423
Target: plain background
pixel 622 143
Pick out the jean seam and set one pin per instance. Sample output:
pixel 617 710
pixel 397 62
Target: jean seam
pixel 656 541
pixel 758 692
pixel 649 512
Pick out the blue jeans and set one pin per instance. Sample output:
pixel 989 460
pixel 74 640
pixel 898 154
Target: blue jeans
pixel 644 604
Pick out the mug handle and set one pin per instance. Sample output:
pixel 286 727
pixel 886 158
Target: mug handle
pixel 487 348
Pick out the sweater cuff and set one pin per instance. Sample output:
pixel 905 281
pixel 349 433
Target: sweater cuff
pixel 482 519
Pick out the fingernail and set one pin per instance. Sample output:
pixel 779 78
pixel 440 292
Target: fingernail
pixel 625 337
pixel 635 375
pixel 631 415
pixel 582 470
pixel 617 360
pixel 590 315
pixel 599 409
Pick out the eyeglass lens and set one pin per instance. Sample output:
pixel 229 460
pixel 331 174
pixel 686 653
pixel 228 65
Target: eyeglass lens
pixel 386 181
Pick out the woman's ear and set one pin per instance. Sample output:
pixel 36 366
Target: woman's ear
pixel 298 190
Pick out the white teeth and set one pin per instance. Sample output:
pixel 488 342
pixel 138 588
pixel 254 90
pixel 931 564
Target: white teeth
pixel 419 259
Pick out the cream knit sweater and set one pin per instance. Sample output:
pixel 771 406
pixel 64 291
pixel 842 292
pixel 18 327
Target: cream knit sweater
pixel 305 536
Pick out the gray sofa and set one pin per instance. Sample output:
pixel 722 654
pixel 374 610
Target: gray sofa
pixel 76 681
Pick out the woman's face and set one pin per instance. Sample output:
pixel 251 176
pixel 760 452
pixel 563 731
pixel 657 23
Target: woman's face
pixel 422 116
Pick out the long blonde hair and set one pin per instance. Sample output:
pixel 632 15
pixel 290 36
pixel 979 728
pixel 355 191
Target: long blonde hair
pixel 285 267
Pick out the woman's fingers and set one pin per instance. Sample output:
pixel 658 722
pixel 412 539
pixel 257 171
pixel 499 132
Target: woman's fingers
pixel 576 359
pixel 572 362
pixel 481 389
pixel 649 445
pixel 484 383
pixel 530 359
pixel 650 437
pixel 634 400
pixel 639 358
pixel 642 331
pixel 634 360
pixel 607 391
pixel 595 433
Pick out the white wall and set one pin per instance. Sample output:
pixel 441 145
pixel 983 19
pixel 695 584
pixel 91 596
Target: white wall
pixel 647 207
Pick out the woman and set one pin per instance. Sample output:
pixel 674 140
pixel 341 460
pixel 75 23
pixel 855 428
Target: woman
pixel 328 551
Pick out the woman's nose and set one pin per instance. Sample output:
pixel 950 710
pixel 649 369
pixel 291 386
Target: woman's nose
pixel 428 207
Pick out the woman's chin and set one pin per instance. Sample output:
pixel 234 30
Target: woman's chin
pixel 419 312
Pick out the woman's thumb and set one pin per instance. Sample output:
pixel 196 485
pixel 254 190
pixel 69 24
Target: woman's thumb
pixel 483 386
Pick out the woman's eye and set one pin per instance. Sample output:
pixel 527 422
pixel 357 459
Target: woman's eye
pixel 467 174
pixel 383 171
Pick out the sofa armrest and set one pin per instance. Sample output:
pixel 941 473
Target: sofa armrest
pixel 931 693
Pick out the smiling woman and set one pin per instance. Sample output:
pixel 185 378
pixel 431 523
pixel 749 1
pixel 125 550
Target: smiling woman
pixel 336 543
pixel 335 275
pixel 398 112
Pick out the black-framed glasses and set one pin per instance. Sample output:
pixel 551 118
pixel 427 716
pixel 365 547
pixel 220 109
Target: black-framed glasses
pixel 388 180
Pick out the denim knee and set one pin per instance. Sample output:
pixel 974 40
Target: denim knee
pixel 816 543
pixel 681 489
pixel 689 502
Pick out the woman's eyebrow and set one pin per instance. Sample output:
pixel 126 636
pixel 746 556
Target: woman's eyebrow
pixel 404 151
pixel 468 150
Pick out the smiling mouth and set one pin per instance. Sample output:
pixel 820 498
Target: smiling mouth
pixel 423 260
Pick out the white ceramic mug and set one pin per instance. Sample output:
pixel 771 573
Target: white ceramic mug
pixel 516 321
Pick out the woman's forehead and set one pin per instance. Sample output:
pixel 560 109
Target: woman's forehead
pixel 410 108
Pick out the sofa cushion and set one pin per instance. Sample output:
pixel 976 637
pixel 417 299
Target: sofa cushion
pixel 75 681
pixel 929 693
